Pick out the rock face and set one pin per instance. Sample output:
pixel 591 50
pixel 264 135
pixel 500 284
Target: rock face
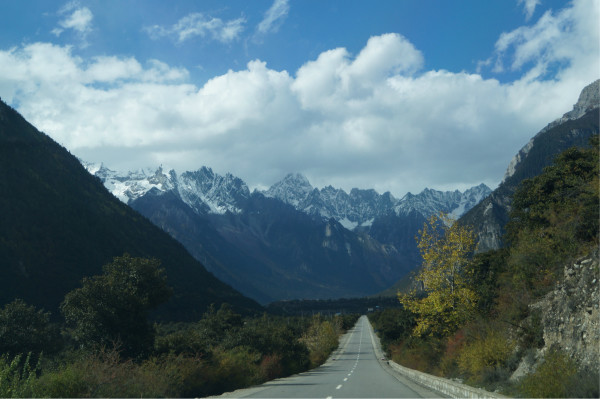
pixel 570 314
pixel 573 129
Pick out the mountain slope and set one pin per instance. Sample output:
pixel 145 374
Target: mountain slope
pixel 60 224
pixel 574 129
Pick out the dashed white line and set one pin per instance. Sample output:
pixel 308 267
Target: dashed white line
pixel 339 386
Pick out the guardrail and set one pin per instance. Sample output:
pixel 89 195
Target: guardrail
pixel 447 387
pixel 444 386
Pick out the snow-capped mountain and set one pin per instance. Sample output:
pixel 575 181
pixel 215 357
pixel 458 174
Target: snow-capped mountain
pixel 203 190
pixel 207 192
pixel 431 201
pixel 359 208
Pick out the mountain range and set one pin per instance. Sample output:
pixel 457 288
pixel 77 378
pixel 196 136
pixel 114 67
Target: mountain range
pixel 292 240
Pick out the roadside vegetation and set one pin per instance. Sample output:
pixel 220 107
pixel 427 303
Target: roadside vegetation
pixel 106 346
pixel 468 316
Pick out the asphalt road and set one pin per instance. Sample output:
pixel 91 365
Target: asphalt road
pixel 354 371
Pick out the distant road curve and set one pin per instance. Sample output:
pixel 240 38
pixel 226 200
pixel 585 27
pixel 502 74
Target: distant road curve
pixel 354 371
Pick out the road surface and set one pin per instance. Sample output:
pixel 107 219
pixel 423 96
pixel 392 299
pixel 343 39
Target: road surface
pixel 354 371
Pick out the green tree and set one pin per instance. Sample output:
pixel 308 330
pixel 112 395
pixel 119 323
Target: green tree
pixel 112 308
pixel 445 299
pixel 25 329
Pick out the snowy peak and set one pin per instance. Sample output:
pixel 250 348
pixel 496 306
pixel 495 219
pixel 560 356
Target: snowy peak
pixel 360 208
pixel 131 185
pixel 203 190
pixel 207 192
pixel 293 189
pixel 430 201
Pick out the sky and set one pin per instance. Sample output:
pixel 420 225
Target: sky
pixel 391 95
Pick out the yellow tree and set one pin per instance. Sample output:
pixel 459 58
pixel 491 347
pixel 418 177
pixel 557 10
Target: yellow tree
pixel 443 299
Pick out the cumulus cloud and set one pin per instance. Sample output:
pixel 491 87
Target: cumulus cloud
pixel 529 7
pixel 198 24
pixel 374 119
pixel 274 17
pixel 77 18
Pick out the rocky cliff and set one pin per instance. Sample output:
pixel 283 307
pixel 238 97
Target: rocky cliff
pixel 574 128
pixel 571 315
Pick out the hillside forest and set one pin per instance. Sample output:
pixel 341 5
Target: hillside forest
pixel 478 317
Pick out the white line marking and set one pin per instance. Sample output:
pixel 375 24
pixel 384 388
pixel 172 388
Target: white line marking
pixel 345 379
pixel 329 397
pixel 339 386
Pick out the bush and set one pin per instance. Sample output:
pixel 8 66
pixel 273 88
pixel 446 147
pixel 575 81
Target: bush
pixel 17 377
pixel 237 368
pixel 486 353
pixel 392 325
pixel 321 339
pixel 585 384
pixel 419 353
pixel 553 377
pixel 25 329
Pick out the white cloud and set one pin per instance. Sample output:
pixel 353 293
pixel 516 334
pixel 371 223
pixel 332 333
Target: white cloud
pixel 77 18
pixel 529 7
pixel 274 17
pixel 198 24
pixel 374 119
pixel 567 41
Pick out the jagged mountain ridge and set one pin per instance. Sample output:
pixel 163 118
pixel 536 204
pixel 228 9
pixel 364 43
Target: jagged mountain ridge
pixel 203 190
pixel 210 193
pixel 360 208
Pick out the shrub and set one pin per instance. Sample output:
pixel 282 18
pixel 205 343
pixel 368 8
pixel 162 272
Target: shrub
pixel 419 353
pixel 553 377
pixel 237 368
pixel 321 339
pixel 17 377
pixel 104 374
pixel 25 329
pixel 485 353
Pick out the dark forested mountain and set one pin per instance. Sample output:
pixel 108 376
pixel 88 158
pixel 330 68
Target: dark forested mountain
pixel 59 224
pixel 293 240
pixel 271 251
pixel 574 129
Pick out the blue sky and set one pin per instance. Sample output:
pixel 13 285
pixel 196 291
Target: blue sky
pixel 392 95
